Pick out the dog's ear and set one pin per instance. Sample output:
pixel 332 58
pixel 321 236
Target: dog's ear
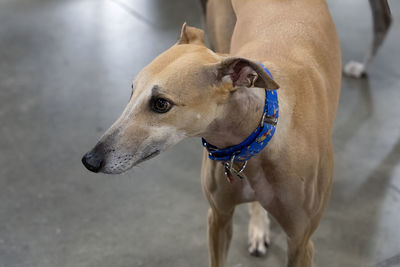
pixel 191 35
pixel 244 73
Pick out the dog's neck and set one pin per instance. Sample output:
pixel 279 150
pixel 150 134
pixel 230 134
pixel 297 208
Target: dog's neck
pixel 239 117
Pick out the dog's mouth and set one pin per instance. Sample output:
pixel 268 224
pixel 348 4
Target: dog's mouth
pixel 124 165
pixel 148 156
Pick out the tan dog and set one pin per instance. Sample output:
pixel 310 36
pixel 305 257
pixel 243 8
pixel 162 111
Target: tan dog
pixel 191 91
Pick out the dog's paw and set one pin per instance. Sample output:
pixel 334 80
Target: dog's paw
pixel 355 69
pixel 258 241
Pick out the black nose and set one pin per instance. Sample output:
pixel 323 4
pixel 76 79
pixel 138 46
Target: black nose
pixel 93 161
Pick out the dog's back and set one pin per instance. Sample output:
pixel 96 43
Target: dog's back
pixel 299 39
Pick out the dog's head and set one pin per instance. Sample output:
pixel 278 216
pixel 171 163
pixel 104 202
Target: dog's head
pixel 179 94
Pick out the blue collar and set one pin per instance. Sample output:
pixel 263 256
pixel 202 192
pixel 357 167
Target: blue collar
pixel 257 140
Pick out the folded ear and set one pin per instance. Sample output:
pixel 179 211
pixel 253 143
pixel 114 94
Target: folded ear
pixel 191 35
pixel 245 73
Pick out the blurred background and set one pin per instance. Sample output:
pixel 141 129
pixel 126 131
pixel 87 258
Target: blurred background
pixel 66 68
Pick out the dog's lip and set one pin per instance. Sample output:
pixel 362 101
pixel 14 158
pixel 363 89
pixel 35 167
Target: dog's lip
pixel 119 171
pixel 148 156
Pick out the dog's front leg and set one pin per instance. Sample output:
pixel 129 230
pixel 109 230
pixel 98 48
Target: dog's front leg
pixel 222 197
pixel 299 215
pixel 299 226
pixel 219 236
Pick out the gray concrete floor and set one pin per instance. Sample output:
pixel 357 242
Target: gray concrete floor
pixel 65 73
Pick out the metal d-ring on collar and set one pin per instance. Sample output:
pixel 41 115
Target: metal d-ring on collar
pixel 229 169
pixel 253 144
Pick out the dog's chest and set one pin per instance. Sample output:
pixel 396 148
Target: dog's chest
pixel 257 188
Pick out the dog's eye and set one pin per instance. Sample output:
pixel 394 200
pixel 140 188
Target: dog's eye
pixel 160 105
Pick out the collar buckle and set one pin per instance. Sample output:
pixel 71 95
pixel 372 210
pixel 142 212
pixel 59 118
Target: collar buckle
pixel 270 119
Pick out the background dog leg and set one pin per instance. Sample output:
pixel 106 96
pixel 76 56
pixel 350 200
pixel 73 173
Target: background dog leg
pixel 259 232
pixel 382 19
pixel 220 22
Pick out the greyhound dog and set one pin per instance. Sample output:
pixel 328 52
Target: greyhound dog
pixel 274 145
